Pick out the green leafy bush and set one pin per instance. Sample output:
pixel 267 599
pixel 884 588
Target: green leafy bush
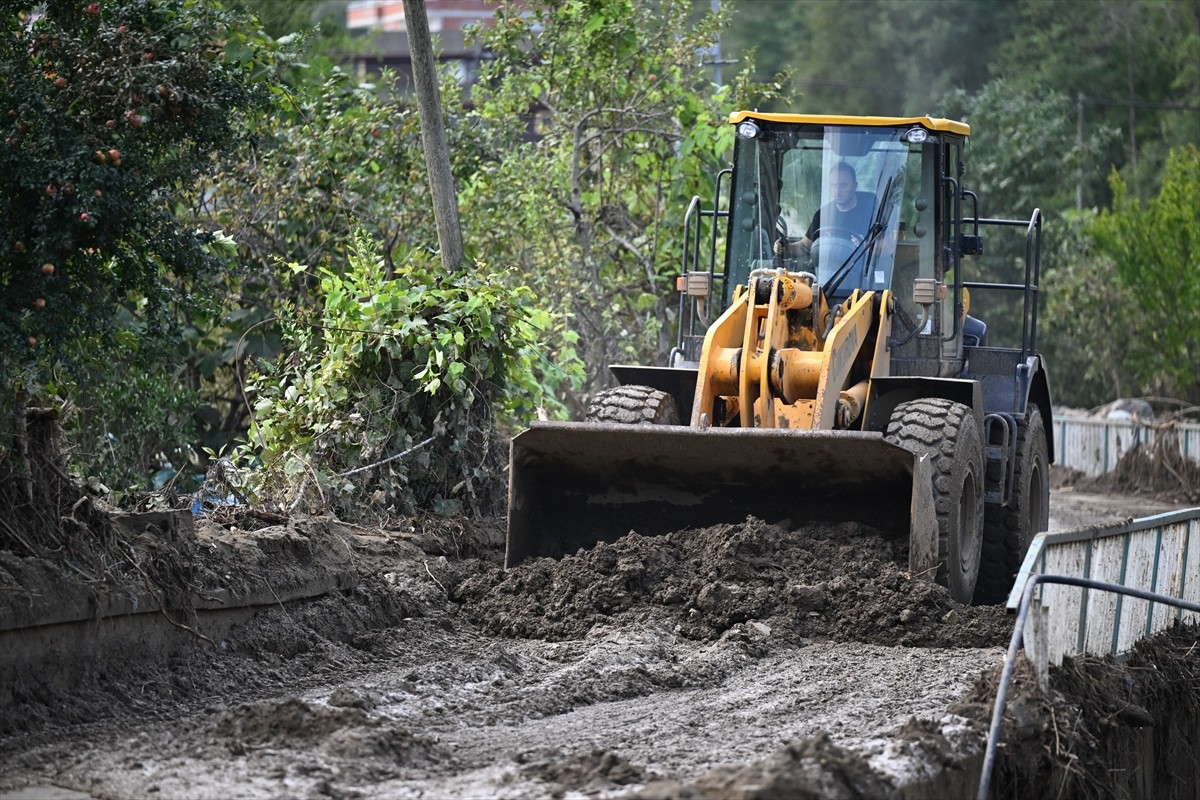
pixel 418 363
pixel 134 430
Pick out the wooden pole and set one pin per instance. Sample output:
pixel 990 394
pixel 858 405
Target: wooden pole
pixel 433 135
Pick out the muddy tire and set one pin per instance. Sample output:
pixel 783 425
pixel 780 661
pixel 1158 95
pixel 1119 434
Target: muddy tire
pixel 1008 530
pixel 633 405
pixel 948 433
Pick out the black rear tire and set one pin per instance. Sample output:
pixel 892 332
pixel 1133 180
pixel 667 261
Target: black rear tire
pixel 1009 530
pixel 633 405
pixel 948 433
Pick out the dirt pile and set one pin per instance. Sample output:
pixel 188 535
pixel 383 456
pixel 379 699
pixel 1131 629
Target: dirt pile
pixel 340 731
pixel 843 581
pixel 1158 470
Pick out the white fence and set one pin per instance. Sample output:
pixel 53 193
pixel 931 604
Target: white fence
pixel 1159 554
pixel 1094 445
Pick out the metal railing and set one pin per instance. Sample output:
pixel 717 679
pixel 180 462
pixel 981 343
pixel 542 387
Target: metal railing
pixel 1014 647
pixel 1155 562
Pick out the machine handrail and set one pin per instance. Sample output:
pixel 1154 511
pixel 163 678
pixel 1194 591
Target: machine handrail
pixel 1031 287
pixel 691 252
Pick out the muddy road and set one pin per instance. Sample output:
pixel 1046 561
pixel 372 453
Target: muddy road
pixel 733 661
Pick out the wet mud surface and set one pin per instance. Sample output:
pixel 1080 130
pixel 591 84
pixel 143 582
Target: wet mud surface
pixel 723 662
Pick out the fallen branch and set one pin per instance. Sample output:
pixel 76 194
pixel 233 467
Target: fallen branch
pixel 435 580
pixel 412 449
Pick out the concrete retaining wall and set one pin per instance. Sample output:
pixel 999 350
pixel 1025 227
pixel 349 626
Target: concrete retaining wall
pixel 1159 554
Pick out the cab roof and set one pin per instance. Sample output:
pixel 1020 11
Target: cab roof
pixel 930 123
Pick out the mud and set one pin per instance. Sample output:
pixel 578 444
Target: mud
pixel 735 661
pixel 1107 728
pixel 843 582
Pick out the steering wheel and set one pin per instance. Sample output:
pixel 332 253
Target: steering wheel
pixel 831 249
pixel 834 232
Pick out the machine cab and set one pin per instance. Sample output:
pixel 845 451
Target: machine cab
pixel 866 203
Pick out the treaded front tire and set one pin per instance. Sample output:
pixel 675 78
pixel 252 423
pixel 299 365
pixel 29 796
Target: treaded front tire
pixel 1009 530
pixel 633 405
pixel 947 432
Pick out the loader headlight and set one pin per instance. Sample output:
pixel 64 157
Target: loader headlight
pixel 747 130
pixel 916 135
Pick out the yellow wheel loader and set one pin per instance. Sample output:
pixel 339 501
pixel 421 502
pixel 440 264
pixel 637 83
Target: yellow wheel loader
pixel 827 367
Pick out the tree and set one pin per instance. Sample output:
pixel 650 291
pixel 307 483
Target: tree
pixel 1121 308
pixel 1155 253
pixel 433 137
pixel 111 110
pixel 873 57
pixel 1131 65
pixel 1026 151
pixel 629 126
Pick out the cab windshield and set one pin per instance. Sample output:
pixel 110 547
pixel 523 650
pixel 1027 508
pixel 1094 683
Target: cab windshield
pixel 852 205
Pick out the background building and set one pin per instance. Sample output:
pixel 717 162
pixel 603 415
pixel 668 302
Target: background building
pixel 386 47
pixel 444 15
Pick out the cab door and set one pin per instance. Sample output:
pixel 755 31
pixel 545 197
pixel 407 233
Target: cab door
pixel 950 263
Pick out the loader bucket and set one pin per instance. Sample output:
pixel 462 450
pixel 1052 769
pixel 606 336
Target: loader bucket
pixel 574 484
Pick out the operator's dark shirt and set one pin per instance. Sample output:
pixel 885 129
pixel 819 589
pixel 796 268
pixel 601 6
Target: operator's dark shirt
pixel 857 220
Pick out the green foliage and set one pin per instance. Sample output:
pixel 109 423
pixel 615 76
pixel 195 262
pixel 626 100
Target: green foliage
pixel 1155 253
pixel 280 18
pixel 1134 65
pixel 873 57
pixel 109 111
pixel 1127 65
pixel 330 157
pixel 1081 311
pixel 631 126
pixel 1013 128
pixel 1122 309
pixel 389 362
pixel 1025 150
pixel 137 432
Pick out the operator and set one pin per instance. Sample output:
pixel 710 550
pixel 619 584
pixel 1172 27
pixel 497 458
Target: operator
pixel 849 214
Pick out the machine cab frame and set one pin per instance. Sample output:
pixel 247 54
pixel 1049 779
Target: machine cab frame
pixel 905 224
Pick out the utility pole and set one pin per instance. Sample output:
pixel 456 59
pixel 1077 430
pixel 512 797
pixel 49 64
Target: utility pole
pixel 433 135
pixel 1079 145
pixel 716 6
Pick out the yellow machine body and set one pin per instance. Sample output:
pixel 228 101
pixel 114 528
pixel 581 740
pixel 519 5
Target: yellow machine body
pixel 782 381
pixel 826 369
